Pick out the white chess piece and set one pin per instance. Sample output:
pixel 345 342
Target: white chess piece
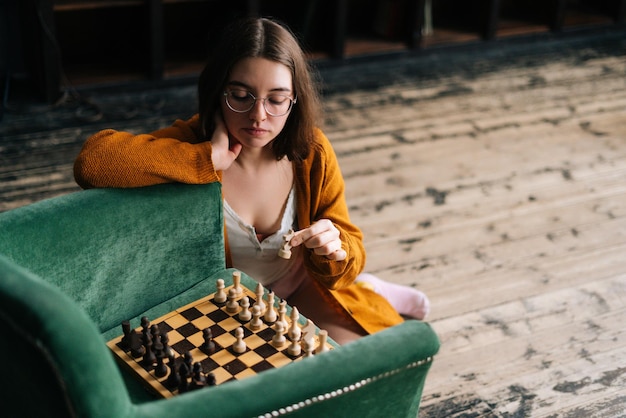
pixel 220 295
pixel 240 345
pixel 245 313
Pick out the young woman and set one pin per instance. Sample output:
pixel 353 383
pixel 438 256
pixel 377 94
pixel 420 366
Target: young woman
pixel 256 133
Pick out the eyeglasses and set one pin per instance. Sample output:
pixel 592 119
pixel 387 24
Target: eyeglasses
pixel 242 101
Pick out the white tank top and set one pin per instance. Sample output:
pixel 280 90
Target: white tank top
pixel 260 260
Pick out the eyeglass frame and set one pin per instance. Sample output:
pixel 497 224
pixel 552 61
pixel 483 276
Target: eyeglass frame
pixel 292 102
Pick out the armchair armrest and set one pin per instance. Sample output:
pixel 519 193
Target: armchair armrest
pixel 379 375
pixel 58 362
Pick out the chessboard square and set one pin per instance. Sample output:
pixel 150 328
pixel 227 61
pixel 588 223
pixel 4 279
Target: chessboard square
pixel 267 334
pixel 235 367
pixel 279 359
pixel 230 324
pixel 187 329
pixel 191 313
pixel 216 330
pixel 164 327
pixel 250 358
pixel 173 337
pixel 245 373
pixel 176 321
pixel 182 346
pixel 266 350
pixel 262 366
pixel 206 307
pixel 218 316
pixel 225 340
pixel 208 364
pixel 223 357
pixel 196 339
pixel 202 322
pixel 253 341
pixel 221 375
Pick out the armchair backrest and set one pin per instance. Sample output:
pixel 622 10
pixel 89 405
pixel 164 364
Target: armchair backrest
pixel 113 244
pixel 72 268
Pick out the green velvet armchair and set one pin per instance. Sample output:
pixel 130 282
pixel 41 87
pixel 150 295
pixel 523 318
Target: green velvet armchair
pixel 73 267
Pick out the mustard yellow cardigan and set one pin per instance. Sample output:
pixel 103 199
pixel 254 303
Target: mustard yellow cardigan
pixel 177 154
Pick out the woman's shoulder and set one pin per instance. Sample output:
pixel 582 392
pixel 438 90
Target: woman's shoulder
pixel 321 152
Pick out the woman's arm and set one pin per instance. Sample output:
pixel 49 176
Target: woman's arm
pixel 119 159
pixel 323 184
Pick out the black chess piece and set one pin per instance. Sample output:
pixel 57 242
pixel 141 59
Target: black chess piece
pixel 125 342
pixel 184 372
pixel 210 379
pixel 149 359
pixel 198 380
pixel 208 346
pixel 173 380
pixel 165 340
pixel 161 369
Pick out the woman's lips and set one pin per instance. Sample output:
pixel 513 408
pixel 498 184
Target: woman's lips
pixel 255 131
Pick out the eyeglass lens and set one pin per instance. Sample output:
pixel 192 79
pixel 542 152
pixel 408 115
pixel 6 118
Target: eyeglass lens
pixel 242 101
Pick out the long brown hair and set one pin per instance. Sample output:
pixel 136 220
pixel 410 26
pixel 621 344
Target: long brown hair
pixel 269 39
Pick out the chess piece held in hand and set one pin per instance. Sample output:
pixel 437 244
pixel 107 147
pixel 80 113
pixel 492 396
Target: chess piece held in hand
pixel 285 250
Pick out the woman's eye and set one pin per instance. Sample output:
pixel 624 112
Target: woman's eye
pixel 240 95
pixel 278 99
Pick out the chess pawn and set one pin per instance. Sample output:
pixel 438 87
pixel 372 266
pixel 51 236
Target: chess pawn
pixel 321 347
pixel 279 337
pixel 184 373
pixel 198 380
pixel 245 313
pixel 220 295
pixel 239 346
pixel 294 348
pixel 308 346
pixel 208 346
pixel 161 369
pixel 210 379
pixel 270 313
pixel 256 322
pixel 232 306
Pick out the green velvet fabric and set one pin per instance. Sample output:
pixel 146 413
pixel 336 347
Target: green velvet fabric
pixel 117 252
pixel 72 268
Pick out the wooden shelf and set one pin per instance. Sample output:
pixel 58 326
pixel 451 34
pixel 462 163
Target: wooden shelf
pixel 160 39
pixel 76 5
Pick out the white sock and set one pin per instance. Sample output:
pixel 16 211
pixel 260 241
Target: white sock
pixel 406 300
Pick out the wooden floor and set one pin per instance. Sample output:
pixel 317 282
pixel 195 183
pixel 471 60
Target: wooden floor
pixel 495 181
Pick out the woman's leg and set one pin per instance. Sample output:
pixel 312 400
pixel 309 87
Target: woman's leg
pixel 406 300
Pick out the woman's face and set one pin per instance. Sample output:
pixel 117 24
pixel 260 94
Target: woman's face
pixel 261 78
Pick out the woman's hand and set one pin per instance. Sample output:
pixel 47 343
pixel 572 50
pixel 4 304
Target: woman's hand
pixel 224 150
pixel 323 238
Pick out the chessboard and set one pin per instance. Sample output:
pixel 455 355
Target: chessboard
pixel 229 335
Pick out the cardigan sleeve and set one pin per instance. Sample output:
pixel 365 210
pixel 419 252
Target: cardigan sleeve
pixel 322 187
pixel 120 159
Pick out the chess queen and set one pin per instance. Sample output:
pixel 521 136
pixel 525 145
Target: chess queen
pixel 257 132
